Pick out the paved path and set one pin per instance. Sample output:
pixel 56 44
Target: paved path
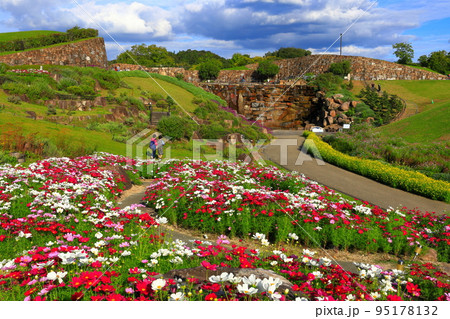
pixel 344 181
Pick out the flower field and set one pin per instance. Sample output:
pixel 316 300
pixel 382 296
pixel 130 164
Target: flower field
pixel 63 238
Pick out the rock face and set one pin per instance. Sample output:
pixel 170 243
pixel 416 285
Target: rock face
pixel 203 274
pixel 89 52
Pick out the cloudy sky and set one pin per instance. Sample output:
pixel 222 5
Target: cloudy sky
pixel 246 26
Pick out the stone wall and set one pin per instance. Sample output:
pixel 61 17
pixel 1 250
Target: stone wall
pixel 365 69
pixel 89 52
pixel 274 106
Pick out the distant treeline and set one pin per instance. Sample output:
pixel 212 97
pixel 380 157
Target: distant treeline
pixel 75 33
pixel 154 56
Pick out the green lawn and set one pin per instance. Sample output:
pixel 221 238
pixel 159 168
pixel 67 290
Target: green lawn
pixel 77 135
pixel 431 125
pixel 420 93
pixel 11 36
pixel 153 85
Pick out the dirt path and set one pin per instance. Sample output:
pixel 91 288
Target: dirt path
pixel 344 258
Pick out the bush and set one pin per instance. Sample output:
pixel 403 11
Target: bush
pixel 409 181
pixel 66 82
pixel 340 68
pixel 209 70
pixel 176 127
pixel 327 82
pixel 213 131
pixel 267 69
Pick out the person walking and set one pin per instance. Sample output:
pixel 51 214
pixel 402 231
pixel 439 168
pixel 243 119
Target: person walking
pixel 160 146
pixel 153 146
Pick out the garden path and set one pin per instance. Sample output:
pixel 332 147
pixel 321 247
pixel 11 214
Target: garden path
pixel 344 181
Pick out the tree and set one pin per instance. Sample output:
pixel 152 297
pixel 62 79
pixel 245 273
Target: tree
pixel 209 70
pixel 439 61
pixel 341 68
pixel 190 58
pixel 149 56
pixel 423 60
pixel 288 53
pixel 239 59
pixel 267 69
pixel 404 52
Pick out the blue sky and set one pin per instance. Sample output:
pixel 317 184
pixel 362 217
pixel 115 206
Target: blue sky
pixel 247 26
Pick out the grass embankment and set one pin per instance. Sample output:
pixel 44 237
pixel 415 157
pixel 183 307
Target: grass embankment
pixel 11 36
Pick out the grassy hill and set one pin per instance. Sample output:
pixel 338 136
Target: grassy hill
pixel 11 36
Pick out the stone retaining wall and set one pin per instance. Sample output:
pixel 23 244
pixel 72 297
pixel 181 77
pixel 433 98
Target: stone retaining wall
pixel 89 52
pixel 364 69
pixel 274 106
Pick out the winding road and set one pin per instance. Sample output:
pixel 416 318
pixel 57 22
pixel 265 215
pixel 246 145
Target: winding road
pixel 285 150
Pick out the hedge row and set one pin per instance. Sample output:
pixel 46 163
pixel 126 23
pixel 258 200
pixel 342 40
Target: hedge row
pixel 46 40
pixel 410 181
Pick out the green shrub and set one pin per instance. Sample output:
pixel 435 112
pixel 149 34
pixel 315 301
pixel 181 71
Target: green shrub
pixel 66 82
pixel 340 68
pixel 40 90
pixel 176 127
pixel 212 131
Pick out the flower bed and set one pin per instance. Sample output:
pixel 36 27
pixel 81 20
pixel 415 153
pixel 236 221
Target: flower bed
pixel 227 198
pixel 62 238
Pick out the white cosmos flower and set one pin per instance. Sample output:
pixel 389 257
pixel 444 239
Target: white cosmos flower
pixel 245 289
pixel 251 280
pixel 161 220
pixel 56 275
pixel 126 253
pixel 98 235
pixel 179 296
pixel 158 284
pixel 259 236
pixel 293 236
pixel 301 299
pixel 269 284
pixel 265 242
pixel 276 296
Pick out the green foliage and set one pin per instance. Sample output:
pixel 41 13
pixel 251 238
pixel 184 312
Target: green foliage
pixel 340 68
pixel 66 82
pixel 439 61
pixel 287 53
pixel 267 69
pixel 209 70
pixel 407 180
pixel 385 106
pixel 179 76
pixel 327 82
pixel 213 131
pixel 404 52
pixel 147 55
pixel 176 127
pixel 190 58
pixel 239 59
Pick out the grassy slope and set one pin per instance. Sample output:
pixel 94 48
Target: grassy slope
pixel 183 97
pixel 102 141
pixel 428 126
pixel 431 100
pixel 10 36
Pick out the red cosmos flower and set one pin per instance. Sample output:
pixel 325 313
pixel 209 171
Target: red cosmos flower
pixel 40 298
pixel 97 298
pixel 96 264
pixel 115 297
pixel 142 287
pixel 76 282
pixel 393 298
pixel 209 266
pixel 210 297
pixel 30 291
pixel 2 237
pixel 413 289
pixel 77 296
